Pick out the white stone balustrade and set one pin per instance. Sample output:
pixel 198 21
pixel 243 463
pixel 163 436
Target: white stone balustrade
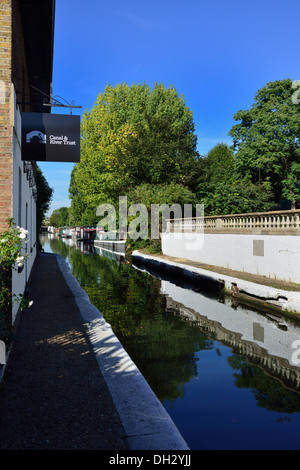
pixel 275 222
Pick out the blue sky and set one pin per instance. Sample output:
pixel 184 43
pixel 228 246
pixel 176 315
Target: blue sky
pixel 216 53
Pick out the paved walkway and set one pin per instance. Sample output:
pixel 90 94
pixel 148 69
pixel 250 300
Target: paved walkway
pixel 69 384
pixel 53 395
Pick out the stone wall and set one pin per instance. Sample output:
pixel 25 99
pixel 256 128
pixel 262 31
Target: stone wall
pixel 261 243
pixel 272 256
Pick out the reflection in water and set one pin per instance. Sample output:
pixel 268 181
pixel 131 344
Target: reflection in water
pixel 223 372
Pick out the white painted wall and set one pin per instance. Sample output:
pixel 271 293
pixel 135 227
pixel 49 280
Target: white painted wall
pixel 276 341
pixel 24 215
pixel 273 256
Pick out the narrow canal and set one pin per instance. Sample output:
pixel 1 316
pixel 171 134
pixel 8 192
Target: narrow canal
pixel 225 373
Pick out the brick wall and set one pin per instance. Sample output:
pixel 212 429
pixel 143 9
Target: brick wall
pixel 19 66
pixel 13 79
pixel 6 125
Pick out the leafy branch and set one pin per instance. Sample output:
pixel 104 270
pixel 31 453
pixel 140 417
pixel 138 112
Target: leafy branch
pixel 12 257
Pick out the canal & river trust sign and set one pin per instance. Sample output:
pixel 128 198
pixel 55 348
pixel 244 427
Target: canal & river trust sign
pixel 50 137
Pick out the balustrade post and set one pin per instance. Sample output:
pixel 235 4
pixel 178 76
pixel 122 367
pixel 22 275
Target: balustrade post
pixel 219 224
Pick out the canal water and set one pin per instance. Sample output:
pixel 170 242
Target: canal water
pixel 225 373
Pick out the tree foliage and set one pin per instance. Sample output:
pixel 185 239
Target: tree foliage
pixel 148 194
pixel 223 191
pixel 217 167
pixel 237 197
pixel 133 135
pixel 60 217
pixel 141 142
pixel 44 197
pixel 267 140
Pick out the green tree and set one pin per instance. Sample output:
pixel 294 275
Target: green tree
pixel 237 197
pixel 267 140
pixel 222 190
pixel 217 167
pixel 60 217
pixel 132 135
pixel 77 205
pixel 44 197
pixel 148 194
pixel 155 198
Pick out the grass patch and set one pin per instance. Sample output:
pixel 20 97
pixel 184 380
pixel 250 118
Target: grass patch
pixel 147 246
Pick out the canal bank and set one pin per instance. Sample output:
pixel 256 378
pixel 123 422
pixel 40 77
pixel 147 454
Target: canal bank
pixel 69 384
pixel 271 295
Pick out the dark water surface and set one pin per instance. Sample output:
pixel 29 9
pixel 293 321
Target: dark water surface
pixel 225 373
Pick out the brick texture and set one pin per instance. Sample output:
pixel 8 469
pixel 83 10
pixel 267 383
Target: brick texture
pixel 13 76
pixel 5 113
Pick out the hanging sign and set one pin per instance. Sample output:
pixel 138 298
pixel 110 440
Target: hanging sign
pixel 50 137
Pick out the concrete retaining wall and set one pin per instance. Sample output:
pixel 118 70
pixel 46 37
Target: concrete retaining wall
pixel 273 256
pixel 259 296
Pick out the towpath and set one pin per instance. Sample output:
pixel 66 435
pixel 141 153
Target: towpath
pixel 52 394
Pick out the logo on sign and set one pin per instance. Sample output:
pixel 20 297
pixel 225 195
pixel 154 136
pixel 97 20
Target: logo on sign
pixel 35 137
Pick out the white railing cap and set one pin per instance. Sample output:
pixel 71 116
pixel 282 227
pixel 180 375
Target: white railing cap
pixel 248 214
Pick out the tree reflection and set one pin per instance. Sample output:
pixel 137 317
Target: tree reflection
pixel 58 247
pixel 160 343
pixel 269 393
pixel 163 345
